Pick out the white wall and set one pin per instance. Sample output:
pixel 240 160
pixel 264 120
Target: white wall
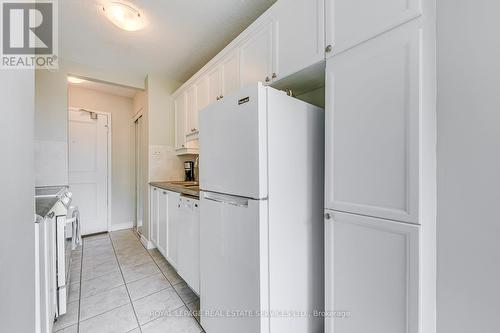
pixel 123 147
pixel 51 128
pixel 17 236
pixel 51 117
pixel 468 166
pixel 163 162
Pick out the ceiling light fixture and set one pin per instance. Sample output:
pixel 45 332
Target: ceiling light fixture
pixel 124 16
pixel 75 80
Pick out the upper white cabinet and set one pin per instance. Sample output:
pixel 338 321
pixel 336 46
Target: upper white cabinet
pixel 373 102
pixel 191 110
pixel 352 22
pixel 257 55
pixel 202 92
pixel 230 68
pixel 300 35
pixel 372 271
pixel 215 84
pixel 180 121
pixel 287 38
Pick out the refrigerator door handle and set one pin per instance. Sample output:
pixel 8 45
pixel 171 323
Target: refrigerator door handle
pixel 227 200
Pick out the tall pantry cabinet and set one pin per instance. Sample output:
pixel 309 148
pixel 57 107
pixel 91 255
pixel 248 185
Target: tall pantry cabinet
pixel 380 182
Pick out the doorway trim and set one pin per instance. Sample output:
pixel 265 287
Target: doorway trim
pixel 109 157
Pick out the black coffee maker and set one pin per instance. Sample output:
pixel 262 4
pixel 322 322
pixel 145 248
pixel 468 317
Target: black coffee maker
pixel 189 171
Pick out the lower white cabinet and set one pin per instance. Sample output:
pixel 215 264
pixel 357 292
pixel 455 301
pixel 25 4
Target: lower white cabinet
pixel 372 270
pixel 162 221
pixel 175 231
pixel 153 215
pixel 172 222
pixel 188 242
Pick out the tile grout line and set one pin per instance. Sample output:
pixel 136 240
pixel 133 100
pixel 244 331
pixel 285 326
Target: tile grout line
pixel 175 290
pixel 173 287
pixel 80 289
pixel 126 286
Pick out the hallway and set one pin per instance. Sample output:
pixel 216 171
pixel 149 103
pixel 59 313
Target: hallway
pixel 119 286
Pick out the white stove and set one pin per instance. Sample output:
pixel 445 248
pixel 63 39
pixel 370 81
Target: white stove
pixel 54 242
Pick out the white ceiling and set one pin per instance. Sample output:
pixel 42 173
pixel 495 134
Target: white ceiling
pixel 180 36
pixel 107 88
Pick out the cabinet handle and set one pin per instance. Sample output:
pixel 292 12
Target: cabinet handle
pixel 328 216
pixel 154 189
pixel 267 79
pixel 329 48
pixel 274 75
pixel 221 96
pixel 218 97
pixel 182 146
pixel 164 192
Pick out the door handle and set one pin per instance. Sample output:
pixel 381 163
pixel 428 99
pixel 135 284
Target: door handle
pixel 227 200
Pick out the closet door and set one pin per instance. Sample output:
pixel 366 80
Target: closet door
pixel 351 22
pixel 373 103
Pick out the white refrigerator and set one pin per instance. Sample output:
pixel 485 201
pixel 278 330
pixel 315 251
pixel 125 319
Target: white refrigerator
pixel 261 214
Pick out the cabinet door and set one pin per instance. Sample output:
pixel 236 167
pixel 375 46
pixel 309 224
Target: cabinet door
pixel 300 35
pixel 172 216
pixel 257 56
pixel 153 216
pixel 180 121
pixel 162 221
pixel 191 110
pixel 351 22
pixel 372 127
pixel 214 83
pixel 202 92
pixel 230 67
pixel 372 269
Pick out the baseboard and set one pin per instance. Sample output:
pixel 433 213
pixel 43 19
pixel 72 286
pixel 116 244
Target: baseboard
pixel 147 244
pixel 121 226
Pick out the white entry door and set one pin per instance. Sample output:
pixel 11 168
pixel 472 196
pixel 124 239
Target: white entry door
pixel 88 169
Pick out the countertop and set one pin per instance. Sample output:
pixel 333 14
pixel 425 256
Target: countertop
pixel 44 205
pixel 193 191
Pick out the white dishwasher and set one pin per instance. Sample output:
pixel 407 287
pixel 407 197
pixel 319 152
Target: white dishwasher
pixel 188 240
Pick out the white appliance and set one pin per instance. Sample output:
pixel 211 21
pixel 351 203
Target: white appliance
pixel 188 240
pixel 261 227
pixel 53 251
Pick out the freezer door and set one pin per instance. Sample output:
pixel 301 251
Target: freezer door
pixel 233 144
pixel 234 265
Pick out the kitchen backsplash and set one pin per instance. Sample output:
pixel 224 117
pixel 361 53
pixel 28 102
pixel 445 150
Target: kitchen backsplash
pixel 164 164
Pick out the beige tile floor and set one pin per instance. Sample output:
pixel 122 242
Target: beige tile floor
pixel 119 286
